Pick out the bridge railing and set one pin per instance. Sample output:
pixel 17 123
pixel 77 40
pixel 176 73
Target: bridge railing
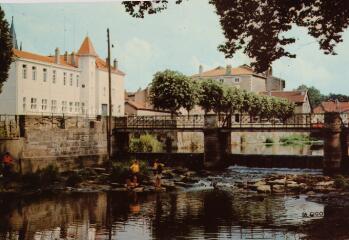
pixel 9 126
pixel 236 121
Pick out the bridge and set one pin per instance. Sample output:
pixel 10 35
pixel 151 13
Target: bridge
pixel 217 132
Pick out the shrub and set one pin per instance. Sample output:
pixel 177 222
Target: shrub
pixel 121 171
pixel 73 179
pixel 269 141
pixel 145 143
pixel 341 182
pixel 296 139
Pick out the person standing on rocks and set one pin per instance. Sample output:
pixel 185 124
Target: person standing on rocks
pixel 7 161
pixel 157 170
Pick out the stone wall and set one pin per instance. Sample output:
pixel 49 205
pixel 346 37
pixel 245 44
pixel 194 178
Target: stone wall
pixel 66 142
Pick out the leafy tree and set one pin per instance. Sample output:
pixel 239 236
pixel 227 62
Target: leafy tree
pixel 5 48
pixel 315 96
pixel 339 97
pixel 211 96
pixel 267 104
pixel 171 90
pixel 285 110
pixel 258 26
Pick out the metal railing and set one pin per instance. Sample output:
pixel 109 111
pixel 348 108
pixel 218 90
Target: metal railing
pixel 311 121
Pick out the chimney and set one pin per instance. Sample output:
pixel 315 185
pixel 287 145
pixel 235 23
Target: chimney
pixel 116 63
pixel 72 58
pixel 201 69
pixel 228 70
pixel 57 56
pixel 66 56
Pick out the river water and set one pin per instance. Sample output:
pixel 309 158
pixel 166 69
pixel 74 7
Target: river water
pixel 199 212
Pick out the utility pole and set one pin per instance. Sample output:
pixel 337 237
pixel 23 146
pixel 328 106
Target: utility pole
pixel 109 133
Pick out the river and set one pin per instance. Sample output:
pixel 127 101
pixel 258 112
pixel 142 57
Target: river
pixel 199 212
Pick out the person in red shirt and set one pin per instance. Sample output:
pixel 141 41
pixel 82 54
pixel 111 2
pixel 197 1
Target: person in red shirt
pixel 7 160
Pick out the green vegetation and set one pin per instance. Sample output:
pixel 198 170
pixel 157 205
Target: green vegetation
pixel 145 143
pixel 269 141
pixel 341 182
pixel 5 48
pixel 3 132
pixel 296 139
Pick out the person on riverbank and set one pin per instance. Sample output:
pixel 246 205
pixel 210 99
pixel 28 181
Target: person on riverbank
pixel 7 162
pixel 157 170
pixel 135 169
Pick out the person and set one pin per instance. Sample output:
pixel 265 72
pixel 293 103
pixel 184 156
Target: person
pixel 7 161
pixel 135 168
pixel 157 170
pixel 130 184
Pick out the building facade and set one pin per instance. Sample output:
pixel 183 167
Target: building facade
pixel 242 77
pixel 69 84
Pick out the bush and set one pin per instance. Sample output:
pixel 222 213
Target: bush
pixel 73 179
pixel 146 143
pixel 341 182
pixel 269 141
pixel 296 139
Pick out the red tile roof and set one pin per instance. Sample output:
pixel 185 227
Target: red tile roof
pixel 87 48
pixel 331 106
pixel 221 71
pixel 292 96
pixel 40 58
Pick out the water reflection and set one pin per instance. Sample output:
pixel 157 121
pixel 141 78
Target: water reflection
pixel 200 215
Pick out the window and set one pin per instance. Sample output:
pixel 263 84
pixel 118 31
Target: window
pixel 77 107
pixel 83 85
pixel 34 73
pixel 45 74
pixel 53 105
pixel 221 80
pixel 83 108
pixel 77 80
pixel 71 79
pixel 33 103
pixel 44 104
pixel 64 78
pixel 54 76
pixel 24 103
pixel 24 71
pixel 70 106
pixel 236 80
pixel 64 106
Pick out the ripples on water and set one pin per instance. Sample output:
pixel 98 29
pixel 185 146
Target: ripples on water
pixel 197 213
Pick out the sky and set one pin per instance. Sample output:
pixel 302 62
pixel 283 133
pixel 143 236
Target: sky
pixel 180 38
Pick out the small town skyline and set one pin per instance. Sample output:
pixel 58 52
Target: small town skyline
pixel 174 39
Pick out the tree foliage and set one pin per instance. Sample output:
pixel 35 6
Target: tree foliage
pixel 314 94
pixel 171 90
pixel 5 48
pixel 211 95
pixel 258 26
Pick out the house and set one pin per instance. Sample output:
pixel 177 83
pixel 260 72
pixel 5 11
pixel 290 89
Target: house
pixel 69 84
pixel 242 77
pixel 138 104
pixel 299 98
pixel 333 106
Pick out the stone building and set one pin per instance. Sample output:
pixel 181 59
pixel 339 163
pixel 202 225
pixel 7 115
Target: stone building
pixel 69 84
pixel 242 77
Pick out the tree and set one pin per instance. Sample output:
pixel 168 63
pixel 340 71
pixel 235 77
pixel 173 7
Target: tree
pixel 258 27
pixel 315 96
pixel 171 90
pixel 339 97
pixel 211 96
pixel 5 48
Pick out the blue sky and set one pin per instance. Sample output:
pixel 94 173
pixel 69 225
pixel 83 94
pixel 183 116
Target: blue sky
pixel 180 38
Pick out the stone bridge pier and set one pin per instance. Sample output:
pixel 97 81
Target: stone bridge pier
pixel 335 145
pixel 217 144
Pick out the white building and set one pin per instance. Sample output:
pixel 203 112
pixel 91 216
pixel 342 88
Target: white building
pixel 69 84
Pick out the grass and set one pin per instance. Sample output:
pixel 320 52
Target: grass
pixel 269 141
pixel 296 139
